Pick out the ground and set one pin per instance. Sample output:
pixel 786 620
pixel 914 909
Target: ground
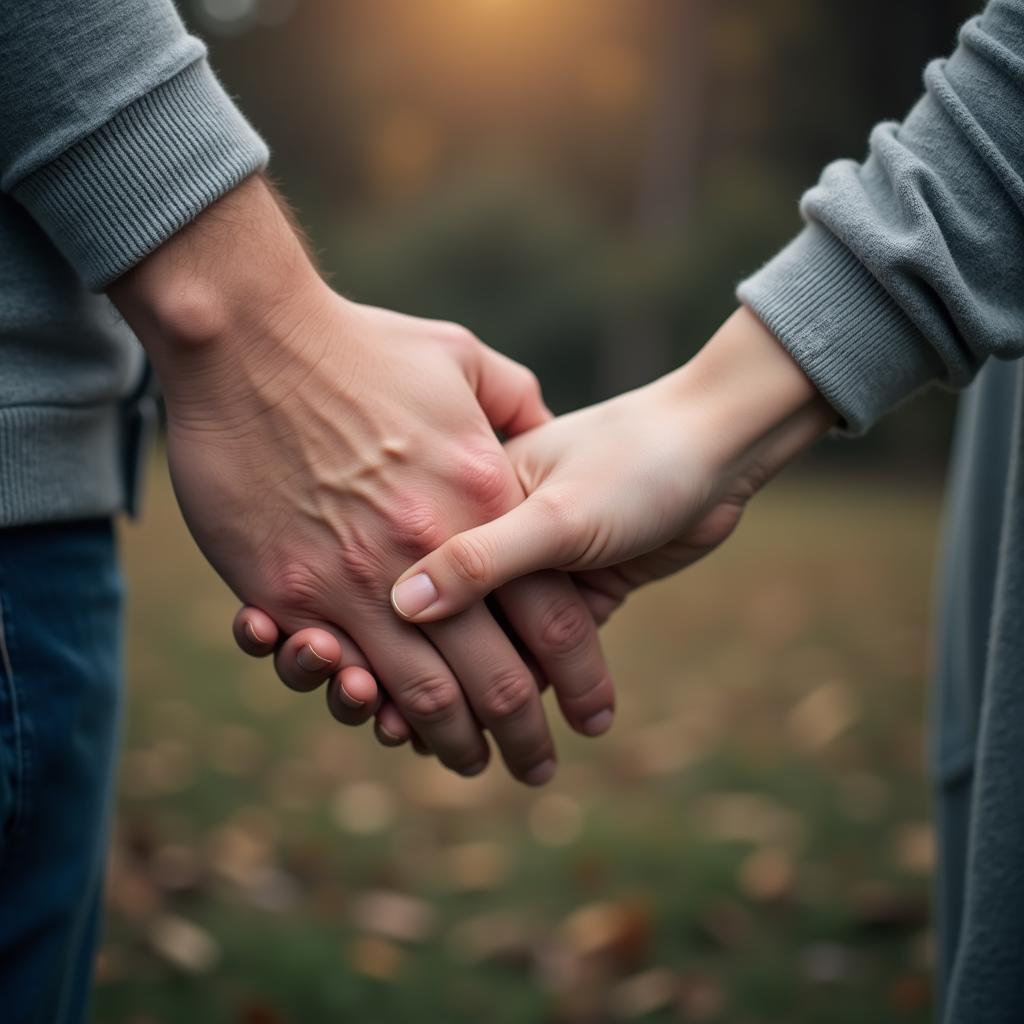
pixel 750 844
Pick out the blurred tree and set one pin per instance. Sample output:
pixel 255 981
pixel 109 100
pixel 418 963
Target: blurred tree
pixel 636 344
pixel 679 133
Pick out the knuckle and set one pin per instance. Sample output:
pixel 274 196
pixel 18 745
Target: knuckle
pixel 468 560
pixel 595 695
pixel 360 565
pixel 558 509
pixel 531 382
pixel 508 695
pixel 457 334
pixel 416 530
pixel 565 627
pixel 298 588
pixel 483 477
pixel 430 699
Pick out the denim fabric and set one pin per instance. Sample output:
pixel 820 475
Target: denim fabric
pixel 60 694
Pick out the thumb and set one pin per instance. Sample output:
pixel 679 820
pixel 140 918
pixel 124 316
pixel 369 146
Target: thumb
pixel 470 565
pixel 509 393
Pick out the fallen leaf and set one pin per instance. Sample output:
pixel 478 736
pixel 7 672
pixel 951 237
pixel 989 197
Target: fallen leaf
pixel 394 915
pixel 766 875
pixel 272 888
pixel 822 715
pixel 428 784
pixel 131 893
pixel 664 748
pixel 619 931
pixel 477 866
pixel 746 817
pixel 643 994
pixel 238 854
pixel 182 943
pixel 913 847
pixel 555 819
pixel 375 957
pixel 364 808
pixel 502 937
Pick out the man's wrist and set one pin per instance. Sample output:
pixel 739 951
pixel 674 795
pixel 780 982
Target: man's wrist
pixel 748 397
pixel 240 262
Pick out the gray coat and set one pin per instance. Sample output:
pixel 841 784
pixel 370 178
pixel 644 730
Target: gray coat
pixel 911 270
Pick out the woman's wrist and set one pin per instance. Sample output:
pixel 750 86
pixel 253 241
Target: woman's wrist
pixel 748 401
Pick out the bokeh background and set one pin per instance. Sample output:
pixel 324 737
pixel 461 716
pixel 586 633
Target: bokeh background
pixel 582 182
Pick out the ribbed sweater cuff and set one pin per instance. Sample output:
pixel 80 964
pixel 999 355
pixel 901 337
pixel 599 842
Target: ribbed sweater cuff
pixel 121 192
pixel 860 349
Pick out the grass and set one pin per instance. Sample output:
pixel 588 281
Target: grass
pixel 749 845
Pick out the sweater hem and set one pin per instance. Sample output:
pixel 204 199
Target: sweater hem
pixel 59 463
pixel 859 348
pixel 121 192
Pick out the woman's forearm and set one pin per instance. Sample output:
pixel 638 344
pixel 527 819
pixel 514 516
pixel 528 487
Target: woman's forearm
pixel 754 407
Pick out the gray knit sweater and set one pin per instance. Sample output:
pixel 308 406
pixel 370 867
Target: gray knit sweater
pixel 910 270
pixel 113 134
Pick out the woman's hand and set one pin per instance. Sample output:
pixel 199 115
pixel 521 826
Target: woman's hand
pixel 638 487
pixel 317 446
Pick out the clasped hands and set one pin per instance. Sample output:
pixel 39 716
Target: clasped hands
pixel 322 451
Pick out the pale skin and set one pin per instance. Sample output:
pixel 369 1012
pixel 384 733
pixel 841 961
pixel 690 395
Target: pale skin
pixel 317 447
pixel 618 494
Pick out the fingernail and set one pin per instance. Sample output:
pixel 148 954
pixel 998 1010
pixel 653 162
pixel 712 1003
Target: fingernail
pixel 254 636
pixel 348 698
pixel 540 774
pixel 599 723
pixel 414 595
pixel 474 769
pixel 310 661
pixel 388 738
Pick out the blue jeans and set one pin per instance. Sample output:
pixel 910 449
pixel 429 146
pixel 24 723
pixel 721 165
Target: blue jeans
pixel 60 694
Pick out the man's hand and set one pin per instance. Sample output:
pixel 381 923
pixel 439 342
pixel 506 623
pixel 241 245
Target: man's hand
pixel 317 445
pixel 353 694
pixel 627 491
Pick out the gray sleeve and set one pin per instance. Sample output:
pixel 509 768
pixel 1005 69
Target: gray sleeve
pixel 115 132
pixel 911 265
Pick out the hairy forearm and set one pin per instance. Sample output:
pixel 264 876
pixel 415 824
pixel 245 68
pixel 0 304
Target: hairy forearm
pixel 230 288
